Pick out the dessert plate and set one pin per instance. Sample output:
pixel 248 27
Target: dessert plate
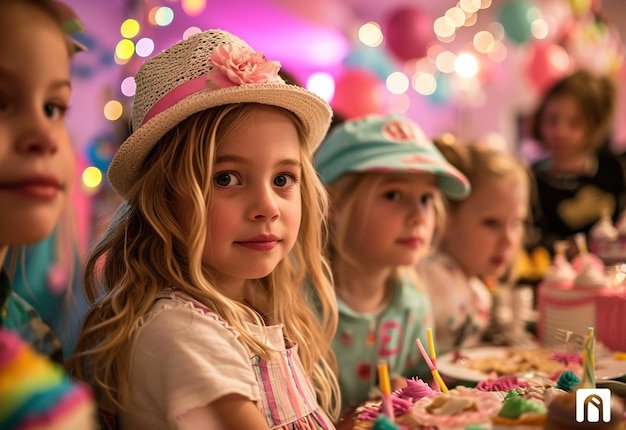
pixel 607 367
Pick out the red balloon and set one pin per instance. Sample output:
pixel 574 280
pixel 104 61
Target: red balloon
pixel 357 93
pixel 546 64
pixel 409 32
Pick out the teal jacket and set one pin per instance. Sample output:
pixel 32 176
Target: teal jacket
pixel 361 341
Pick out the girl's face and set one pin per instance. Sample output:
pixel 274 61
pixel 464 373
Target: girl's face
pixel 254 216
pixel 484 232
pixel 393 223
pixel 563 127
pixel 36 158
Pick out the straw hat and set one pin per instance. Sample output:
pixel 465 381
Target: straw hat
pixel 208 69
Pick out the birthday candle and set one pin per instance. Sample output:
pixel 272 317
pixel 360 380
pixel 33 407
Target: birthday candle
pixel 431 366
pixel 589 360
pixel 433 355
pixel 385 389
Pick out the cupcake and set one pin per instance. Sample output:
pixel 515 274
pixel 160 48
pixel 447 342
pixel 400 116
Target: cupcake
pixel 560 275
pixel 402 401
pixel 459 408
pixel 35 393
pixel 519 411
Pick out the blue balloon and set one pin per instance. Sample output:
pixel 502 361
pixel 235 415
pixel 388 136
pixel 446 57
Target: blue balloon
pixel 516 18
pixel 375 60
pixel 443 91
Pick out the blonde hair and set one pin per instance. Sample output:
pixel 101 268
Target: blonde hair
pixel 53 9
pixel 343 194
pixel 148 245
pixel 480 165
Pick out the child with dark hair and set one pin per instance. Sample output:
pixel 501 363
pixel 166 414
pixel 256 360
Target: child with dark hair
pixel 579 180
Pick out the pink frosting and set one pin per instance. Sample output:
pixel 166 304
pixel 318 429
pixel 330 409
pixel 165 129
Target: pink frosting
pixel 503 383
pixel 415 389
pixel 487 406
pixel 401 400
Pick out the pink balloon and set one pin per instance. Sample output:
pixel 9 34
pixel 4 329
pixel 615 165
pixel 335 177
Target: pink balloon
pixel 409 32
pixel 358 92
pixel 546 64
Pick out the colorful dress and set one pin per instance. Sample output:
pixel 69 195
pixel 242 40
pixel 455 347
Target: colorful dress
pixel 462 307
pixel 362 340
pixel 185 356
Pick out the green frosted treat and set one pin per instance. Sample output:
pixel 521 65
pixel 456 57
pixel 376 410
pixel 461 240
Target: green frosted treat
pixel 514 407
pixel 567 381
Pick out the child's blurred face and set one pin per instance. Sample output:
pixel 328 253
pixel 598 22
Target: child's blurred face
pixel 36 159
pixel 392 224
pixel 255 213
pixel 484 233
pixel 563 127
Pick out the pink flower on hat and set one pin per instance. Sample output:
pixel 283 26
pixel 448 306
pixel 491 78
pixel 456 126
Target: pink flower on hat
pixel 235 65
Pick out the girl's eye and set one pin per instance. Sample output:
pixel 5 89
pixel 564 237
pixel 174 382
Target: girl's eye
pixel 393 195
pixel 226 180
pixel 284 180
pixel 426 199
pixel 54 110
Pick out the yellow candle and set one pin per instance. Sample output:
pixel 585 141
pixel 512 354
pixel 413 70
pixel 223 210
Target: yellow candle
pixel 383 378
pixel 431 343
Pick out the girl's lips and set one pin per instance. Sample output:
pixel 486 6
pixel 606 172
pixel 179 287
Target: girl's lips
pixel 260 245
pixel 41 190
pixel 411 242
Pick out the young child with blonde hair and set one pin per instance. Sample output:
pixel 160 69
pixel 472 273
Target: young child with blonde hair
pixel 37 168
pixel 384 178
pixel 480 242
pixel 200 317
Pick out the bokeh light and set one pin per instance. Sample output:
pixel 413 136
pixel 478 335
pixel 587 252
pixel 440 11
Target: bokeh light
pixel 370 34
pixel 193 7
pixel 145 47
pixel 130 28
pixel 163 16
pixel 444 27
pixel 190 32
pixel 128 86
pixel 124 49
pixel 321 84
pixel 466 65
pixel 445 61
pixel 397 83
pixel 92 177
pixel 484 42
pixel 113 110
pixel 424 83
pixel 539 29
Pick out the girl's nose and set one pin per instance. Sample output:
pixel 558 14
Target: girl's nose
pixel 416 211
pixel 265 205
pixel 37 136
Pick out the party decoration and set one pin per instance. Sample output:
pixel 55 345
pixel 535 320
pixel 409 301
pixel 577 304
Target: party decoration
pixel 516 19
pixel 376 60
pixel 409 32
pixel 443 90
pixel 595 45
pixel 545 64
pixel 358 92
pixel 100 150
